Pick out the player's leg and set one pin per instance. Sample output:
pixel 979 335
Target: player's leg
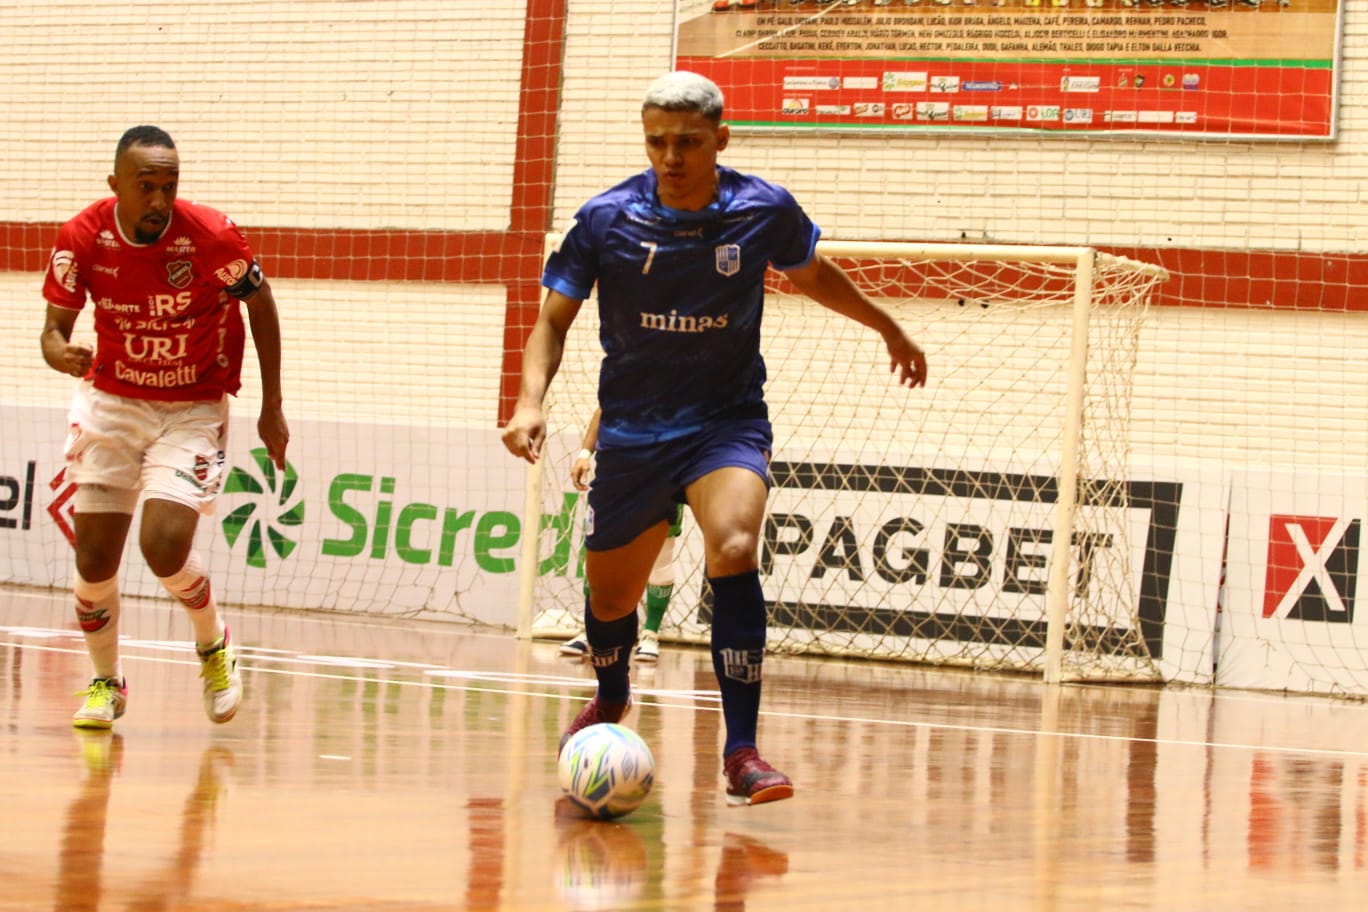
pixel 617 577
pixel 101 528
pixel 728 502
pixel 181 478
pixel 103 453
pixel 630 507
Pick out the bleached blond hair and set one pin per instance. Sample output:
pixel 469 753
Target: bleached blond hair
pixel 685 91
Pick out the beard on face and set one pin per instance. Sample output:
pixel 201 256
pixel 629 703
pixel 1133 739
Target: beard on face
pixel 148 230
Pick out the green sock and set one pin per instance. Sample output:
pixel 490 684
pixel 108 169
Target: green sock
pixel 657 600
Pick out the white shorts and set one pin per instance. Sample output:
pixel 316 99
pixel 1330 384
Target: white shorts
pixel 118 448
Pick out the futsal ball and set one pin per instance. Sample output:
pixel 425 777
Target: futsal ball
pixel 606 770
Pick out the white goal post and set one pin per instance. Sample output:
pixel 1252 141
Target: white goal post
pixel 988 520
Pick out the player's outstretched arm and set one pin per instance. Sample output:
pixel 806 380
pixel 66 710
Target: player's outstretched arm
pixel 828 285
pixel 525 432
pixel 265 321
pixel 58 351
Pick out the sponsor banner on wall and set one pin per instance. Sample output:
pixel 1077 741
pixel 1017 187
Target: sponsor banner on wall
pixel 1198 69
pixel 871 554
pixel 1291 618
pixel 428 522
pixel 35 498
pixel 961 555
pixel 392 520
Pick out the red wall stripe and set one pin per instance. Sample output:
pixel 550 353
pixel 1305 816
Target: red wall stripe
pixel 1333 282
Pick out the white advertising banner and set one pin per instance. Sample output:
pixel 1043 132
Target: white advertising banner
pixel 428 522
pixel 953 557
pixel 394 520
pixel 964 552
pixel 1292 576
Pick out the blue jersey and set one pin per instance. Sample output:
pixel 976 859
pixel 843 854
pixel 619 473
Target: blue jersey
pixel 680 298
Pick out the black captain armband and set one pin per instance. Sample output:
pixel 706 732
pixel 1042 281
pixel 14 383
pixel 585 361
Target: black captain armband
pixel 247 285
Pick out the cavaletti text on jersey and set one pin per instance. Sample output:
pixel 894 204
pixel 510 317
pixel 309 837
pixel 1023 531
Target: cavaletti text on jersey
pixel 185 375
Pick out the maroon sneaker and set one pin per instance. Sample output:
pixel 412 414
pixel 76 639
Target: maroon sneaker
pixel 593 713
pixel 750 780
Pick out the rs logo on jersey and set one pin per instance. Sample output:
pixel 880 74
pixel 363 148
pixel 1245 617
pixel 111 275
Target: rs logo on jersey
pixel 728 258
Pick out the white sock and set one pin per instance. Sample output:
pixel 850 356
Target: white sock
pixel 190 586
pixel 97 611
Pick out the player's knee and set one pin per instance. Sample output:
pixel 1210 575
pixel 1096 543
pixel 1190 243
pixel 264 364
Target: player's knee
pixel 735 553
pixel 95 563
pixel 165 555
pixel 167 535
pixel 610 609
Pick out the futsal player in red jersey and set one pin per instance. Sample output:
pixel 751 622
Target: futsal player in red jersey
pixel 149 419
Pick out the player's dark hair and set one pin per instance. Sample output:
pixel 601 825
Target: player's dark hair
pixel 143 135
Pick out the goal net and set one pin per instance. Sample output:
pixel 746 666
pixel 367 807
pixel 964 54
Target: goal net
pixel 986 520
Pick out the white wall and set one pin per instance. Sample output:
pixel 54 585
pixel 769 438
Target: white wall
pixel 325 113
pixel 402 115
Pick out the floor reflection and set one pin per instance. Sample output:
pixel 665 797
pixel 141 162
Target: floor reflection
pixel 599 864
pixel 81 862
pixel 378 766
pixel 744 862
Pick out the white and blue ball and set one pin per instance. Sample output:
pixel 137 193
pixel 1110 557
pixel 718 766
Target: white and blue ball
pixel 606 770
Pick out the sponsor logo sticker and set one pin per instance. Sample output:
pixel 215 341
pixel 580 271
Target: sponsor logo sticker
pixel 904 82
pixel 1312 570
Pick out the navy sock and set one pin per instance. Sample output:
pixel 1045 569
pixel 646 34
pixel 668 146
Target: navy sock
pixel 738 650
pixel 610 648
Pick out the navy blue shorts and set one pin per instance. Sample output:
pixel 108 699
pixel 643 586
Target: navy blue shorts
pixel 634 488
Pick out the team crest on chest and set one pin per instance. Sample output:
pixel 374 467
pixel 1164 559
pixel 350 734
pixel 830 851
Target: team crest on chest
pixel 179 273
pixel 727 258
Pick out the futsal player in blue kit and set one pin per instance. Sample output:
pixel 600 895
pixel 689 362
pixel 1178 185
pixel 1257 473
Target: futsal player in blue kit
pixel 679 254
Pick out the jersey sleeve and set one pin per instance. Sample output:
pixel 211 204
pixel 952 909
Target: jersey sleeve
pixel 572 268
pixel 234 265
pixel 64 279
pixel 794 234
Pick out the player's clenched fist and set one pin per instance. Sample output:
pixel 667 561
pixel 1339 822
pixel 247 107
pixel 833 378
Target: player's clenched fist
pixel 76 359
pixel 524 433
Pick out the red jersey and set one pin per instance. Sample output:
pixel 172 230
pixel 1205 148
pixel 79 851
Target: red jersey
pixel 167 320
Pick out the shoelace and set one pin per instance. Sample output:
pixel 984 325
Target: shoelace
pixel 749 765
pixel 99 693
pixel 216 668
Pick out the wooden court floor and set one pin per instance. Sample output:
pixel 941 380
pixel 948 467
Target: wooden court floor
pixel 392 765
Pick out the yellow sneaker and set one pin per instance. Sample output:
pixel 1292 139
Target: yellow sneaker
pixel 222 680
pixel 106 700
